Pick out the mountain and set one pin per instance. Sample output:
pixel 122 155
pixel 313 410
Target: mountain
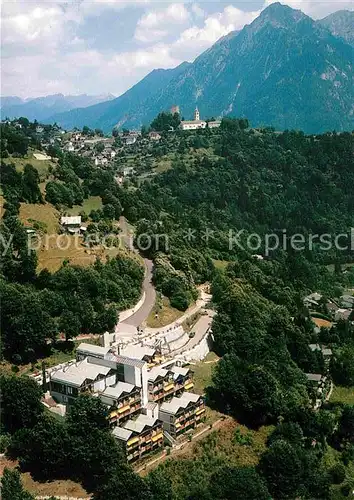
pixel 41 108
pixel 341 24
pixel 127 109
pixel 284 70
pixel 10 100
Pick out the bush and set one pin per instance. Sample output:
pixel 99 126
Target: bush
pixel 180 301
pixel 337 474
pixel 345 490
pixel 5 440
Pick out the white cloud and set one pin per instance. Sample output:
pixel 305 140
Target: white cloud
pixel 157 56
pixel 195 39
pixel 157 24
pixel 51 46
pixel 197 10
pixel 38 24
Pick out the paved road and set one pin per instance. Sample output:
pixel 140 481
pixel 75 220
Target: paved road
pixel 138 318
pixel 150 295
pixel 200 329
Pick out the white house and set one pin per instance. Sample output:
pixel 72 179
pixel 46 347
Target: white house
pixel 154 136
pixel 71 224
pixel 195 124
pixel 214 124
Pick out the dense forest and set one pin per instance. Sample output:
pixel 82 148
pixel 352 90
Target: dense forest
pixel 236 179
pixel 36 307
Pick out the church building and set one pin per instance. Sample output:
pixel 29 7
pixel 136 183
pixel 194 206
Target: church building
pixel 194 124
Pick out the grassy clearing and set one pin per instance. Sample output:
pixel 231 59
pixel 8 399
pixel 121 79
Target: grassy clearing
pixel 41 165
pixel 203 372
pixel 189 323
pixel 162 314
pixel 45 214
pixel 59 488
pixel 163 165
pixel 343 395
pixel 51 488
pixel 220 448
pixel 319 322
pixel 92 203
pixel 221 264
pixel 70 248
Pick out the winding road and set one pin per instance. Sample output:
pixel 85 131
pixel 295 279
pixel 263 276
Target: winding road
pixel 141 315
pixel 138 317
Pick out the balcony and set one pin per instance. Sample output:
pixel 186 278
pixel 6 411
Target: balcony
pixel 157 437
pixel 169 387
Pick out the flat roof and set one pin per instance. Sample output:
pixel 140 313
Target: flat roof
pixel 71 220
pixel 156 372
pixel 178 370
pixel 77 373
pixel 92 349
pixel 137 351
pixel 140 423
pixel 327 352
pixel 124 360
pixel 192 122
pixel 182 402
pixel 121 433
pixel 314 377
pixel 117 390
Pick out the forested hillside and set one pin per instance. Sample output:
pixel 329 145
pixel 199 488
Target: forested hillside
pixel 263 183
pixel 38 306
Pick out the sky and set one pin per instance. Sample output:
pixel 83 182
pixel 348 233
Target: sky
pixel 106 46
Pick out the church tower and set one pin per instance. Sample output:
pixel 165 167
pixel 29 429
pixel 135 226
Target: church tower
pixel 196 114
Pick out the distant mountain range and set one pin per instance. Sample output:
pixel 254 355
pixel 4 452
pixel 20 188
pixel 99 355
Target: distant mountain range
pixel 341 24
pixel 283 70
pixel 41 108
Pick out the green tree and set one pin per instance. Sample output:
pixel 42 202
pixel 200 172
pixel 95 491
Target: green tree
pixel 229 483
pixel 99 147
pixel 123 484
pixel 69 324
pixel 86 414
pixel 282 467
pixel 160 485
pixel 21 405
pixel 11 486
pixel 346 424
pixel 342 366
pixel 31 191
pixel 44 450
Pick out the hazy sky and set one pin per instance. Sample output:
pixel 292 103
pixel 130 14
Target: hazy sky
pixel 101 46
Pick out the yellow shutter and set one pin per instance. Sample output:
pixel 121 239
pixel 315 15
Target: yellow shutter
pixel 132 441
pixel 156 438
pixel 125 408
